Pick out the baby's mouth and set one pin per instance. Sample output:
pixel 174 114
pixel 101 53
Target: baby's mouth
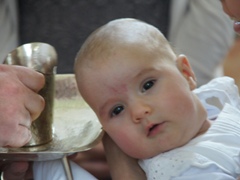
pixel 154 126
pixel 155 129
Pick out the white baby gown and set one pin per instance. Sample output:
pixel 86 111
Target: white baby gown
pixel 54 170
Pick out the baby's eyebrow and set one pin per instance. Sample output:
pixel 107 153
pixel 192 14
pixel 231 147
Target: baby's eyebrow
pixel 144 71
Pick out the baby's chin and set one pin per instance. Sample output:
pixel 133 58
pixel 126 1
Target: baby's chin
pixel 141 154
pixel 146 154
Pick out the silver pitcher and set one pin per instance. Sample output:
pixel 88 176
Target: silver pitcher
pixel 41 57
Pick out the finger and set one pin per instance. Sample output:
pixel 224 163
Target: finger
pixel 21 137
pixel 14 130
pixel 30 78
pixel 34 103
pixel 16 119
pixel 15 171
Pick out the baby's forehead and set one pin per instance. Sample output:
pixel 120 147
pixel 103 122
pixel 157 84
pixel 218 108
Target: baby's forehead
pixel 123 35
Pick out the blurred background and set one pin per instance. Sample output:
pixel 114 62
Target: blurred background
pixel 199 29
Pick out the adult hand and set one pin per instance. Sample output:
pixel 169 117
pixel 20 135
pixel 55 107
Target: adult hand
pixel 16 170
pixel 121 165
pixel 94 161
pixel 19 103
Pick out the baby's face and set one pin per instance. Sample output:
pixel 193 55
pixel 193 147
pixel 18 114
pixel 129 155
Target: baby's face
pixel 143 102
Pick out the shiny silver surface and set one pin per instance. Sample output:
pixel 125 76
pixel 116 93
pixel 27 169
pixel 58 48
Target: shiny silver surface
pixel 41 57
pixel 76 127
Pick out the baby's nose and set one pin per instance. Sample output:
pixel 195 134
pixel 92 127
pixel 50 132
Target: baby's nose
pixel 140 112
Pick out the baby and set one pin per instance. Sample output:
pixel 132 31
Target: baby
pixel 145 98
pixel 142 93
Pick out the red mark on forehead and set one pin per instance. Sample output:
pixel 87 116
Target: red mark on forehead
pixel 120 89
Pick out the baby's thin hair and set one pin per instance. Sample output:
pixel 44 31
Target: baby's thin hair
pixel 123 33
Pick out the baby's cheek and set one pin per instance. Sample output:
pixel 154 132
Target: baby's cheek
pixel 129 144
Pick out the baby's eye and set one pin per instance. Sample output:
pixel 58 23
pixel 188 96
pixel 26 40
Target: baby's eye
pixel 148 85
pixel 117 110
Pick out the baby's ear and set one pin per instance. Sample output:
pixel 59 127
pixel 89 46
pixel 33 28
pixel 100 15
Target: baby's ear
pixel 186 70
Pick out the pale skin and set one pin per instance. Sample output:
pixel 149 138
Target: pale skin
pixel 134 90
pixel 127 102
pixel 231 8
pixel 20 103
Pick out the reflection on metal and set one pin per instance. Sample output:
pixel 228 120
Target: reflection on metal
pixel 41 57
pixel 75 127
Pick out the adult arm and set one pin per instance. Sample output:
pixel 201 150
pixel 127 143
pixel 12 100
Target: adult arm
pixel 121 166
